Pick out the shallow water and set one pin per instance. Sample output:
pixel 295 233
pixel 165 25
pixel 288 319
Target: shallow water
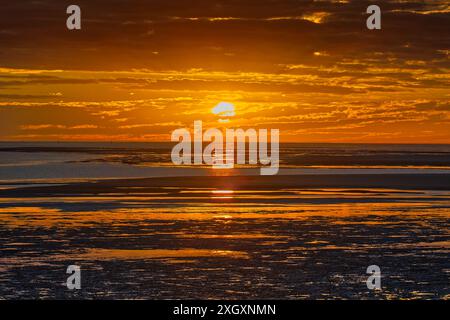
pixel 43 161
pixel 188 243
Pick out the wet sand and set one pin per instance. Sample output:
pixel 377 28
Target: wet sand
pixel 294 237
pixel 418 181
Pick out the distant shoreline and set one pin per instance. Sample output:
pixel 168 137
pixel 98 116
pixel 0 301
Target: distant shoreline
pixel 94 142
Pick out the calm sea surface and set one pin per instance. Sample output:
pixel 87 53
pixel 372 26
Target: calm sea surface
pixel 76 160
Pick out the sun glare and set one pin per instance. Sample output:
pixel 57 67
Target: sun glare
pixel 222 191
pixel 222 194
pixel 224 109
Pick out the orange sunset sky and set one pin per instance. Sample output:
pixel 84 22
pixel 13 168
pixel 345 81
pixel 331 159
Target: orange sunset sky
pixel 137 70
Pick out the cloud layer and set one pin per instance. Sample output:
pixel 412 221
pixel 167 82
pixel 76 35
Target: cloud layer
pixel 137 70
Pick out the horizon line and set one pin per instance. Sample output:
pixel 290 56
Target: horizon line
pixel 173 142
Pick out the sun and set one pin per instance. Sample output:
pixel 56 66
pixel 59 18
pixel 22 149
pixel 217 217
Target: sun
pixel 224 110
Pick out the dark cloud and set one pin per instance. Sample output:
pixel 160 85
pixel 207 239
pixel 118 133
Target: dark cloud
pixel 23 96
pixel 123 34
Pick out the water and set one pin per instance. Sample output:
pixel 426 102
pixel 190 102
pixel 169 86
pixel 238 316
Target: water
pixel 98 160
pixel 310 232
pixel 184 243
